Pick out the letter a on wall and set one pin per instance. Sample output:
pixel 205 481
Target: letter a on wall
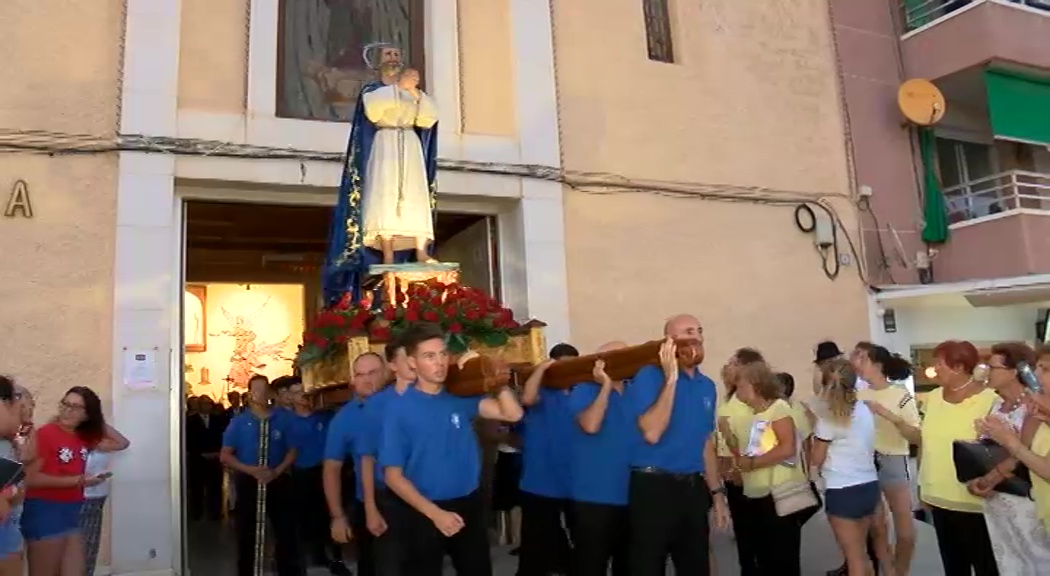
pixel 19 201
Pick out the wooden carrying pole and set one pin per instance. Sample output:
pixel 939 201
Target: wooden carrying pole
pixel 620 364
pixel 485 374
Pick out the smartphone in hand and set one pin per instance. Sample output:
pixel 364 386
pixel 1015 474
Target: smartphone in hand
pixel 11 472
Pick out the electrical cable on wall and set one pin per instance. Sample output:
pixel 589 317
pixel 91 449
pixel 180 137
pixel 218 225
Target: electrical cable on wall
pixel 55 144
pixel 830 255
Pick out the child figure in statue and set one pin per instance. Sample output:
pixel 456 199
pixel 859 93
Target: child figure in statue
pixel 397 213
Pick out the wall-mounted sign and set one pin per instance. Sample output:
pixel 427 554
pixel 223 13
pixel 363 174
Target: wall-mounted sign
pixel 18 202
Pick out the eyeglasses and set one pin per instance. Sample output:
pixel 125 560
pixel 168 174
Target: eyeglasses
pixel 70 405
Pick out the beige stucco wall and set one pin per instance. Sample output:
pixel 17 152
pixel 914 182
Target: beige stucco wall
pixel 57 288
pixel 213 55
pixel 486 67
pixel 63 62
pixel 751 101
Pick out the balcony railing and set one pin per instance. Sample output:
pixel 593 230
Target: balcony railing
pixel 919 13
pixel 998 193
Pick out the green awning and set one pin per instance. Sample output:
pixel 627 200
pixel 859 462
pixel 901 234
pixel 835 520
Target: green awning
pixel 934 210
pixel 1018 106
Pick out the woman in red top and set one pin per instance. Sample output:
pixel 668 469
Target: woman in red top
pixel 55 484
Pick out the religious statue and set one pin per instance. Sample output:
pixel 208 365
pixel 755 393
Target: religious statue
pixel 397 212
pixel 385 210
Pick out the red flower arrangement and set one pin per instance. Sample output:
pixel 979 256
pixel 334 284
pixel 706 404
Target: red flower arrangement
pixel 466 314
pixel 332 329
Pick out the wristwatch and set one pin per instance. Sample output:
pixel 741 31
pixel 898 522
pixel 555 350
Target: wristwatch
pixel 718 490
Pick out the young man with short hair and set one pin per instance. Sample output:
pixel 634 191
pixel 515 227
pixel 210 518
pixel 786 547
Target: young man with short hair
pixel 241 454
pixel 431 461
pixel 309 429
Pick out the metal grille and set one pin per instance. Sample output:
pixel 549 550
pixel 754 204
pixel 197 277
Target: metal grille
pixel 658 30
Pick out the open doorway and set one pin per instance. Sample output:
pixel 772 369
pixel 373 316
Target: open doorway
pixel 252 283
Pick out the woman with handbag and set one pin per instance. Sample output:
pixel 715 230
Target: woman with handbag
pixel 951 409
pixel 844 450
pixel 734 419
pixel 1017 535
pixel 896 427
pixel 1036 456
pixel 775 484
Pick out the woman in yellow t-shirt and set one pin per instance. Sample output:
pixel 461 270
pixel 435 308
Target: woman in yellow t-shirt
pixel 951 409
pixel 734 419
pixel 769 460
pixel 896 426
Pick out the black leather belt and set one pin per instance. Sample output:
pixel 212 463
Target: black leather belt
pixel 681 476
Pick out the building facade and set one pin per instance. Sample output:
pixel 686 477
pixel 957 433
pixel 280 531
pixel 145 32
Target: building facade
pixel 667 160
pixel 985 278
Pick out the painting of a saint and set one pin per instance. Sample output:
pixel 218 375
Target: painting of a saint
pixel 195 327
pixel 320 70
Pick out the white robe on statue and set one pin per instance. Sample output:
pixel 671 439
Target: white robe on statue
pixel 396 192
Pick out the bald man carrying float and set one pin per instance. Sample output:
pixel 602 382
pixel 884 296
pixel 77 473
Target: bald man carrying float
pixel 674 470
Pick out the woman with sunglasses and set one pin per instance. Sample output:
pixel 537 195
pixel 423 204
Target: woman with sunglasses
pixel 55 478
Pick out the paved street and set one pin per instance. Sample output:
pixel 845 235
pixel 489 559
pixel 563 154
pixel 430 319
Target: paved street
pixel 819 552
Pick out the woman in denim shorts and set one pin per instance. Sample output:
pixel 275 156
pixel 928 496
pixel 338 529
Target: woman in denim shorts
pixel 896 428
pixel 55 480
pixel 844 449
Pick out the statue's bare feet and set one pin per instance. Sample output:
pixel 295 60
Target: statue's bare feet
pixel 423 258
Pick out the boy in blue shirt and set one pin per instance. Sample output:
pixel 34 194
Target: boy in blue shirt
pixel 545 473
pixel 674 472
pixel 601 457
pixel 241 443
pixel 346 435
pixel 431 461
pixel 309 432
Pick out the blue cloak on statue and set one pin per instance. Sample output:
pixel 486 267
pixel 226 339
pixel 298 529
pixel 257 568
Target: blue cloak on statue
pixel 347 260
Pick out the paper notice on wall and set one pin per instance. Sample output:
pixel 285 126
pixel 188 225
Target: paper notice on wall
pixel 140 369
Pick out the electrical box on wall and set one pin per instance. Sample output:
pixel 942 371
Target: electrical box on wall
pixel 889 321
pixel 823 232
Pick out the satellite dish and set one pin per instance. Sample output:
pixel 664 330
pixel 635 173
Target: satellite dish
pixel 921 102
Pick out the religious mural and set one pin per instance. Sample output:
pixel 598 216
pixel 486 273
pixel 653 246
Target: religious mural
pixel 252 329
pixel 320 43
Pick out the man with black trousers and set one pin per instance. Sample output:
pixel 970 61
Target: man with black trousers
pixel 545 482
pixel 431 461
pixel 674 471
pixel 346 437
pixel 241 454
pixel 309 432
pixel 600 473
pixel 203 442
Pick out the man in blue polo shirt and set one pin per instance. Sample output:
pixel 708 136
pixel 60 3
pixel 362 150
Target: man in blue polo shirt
pixel 674 472
pixel 601 458
pixel 545 473
pixel 309 434
pixel 431 461
pixel 346 437
pixel 374 500
pixel 241 454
